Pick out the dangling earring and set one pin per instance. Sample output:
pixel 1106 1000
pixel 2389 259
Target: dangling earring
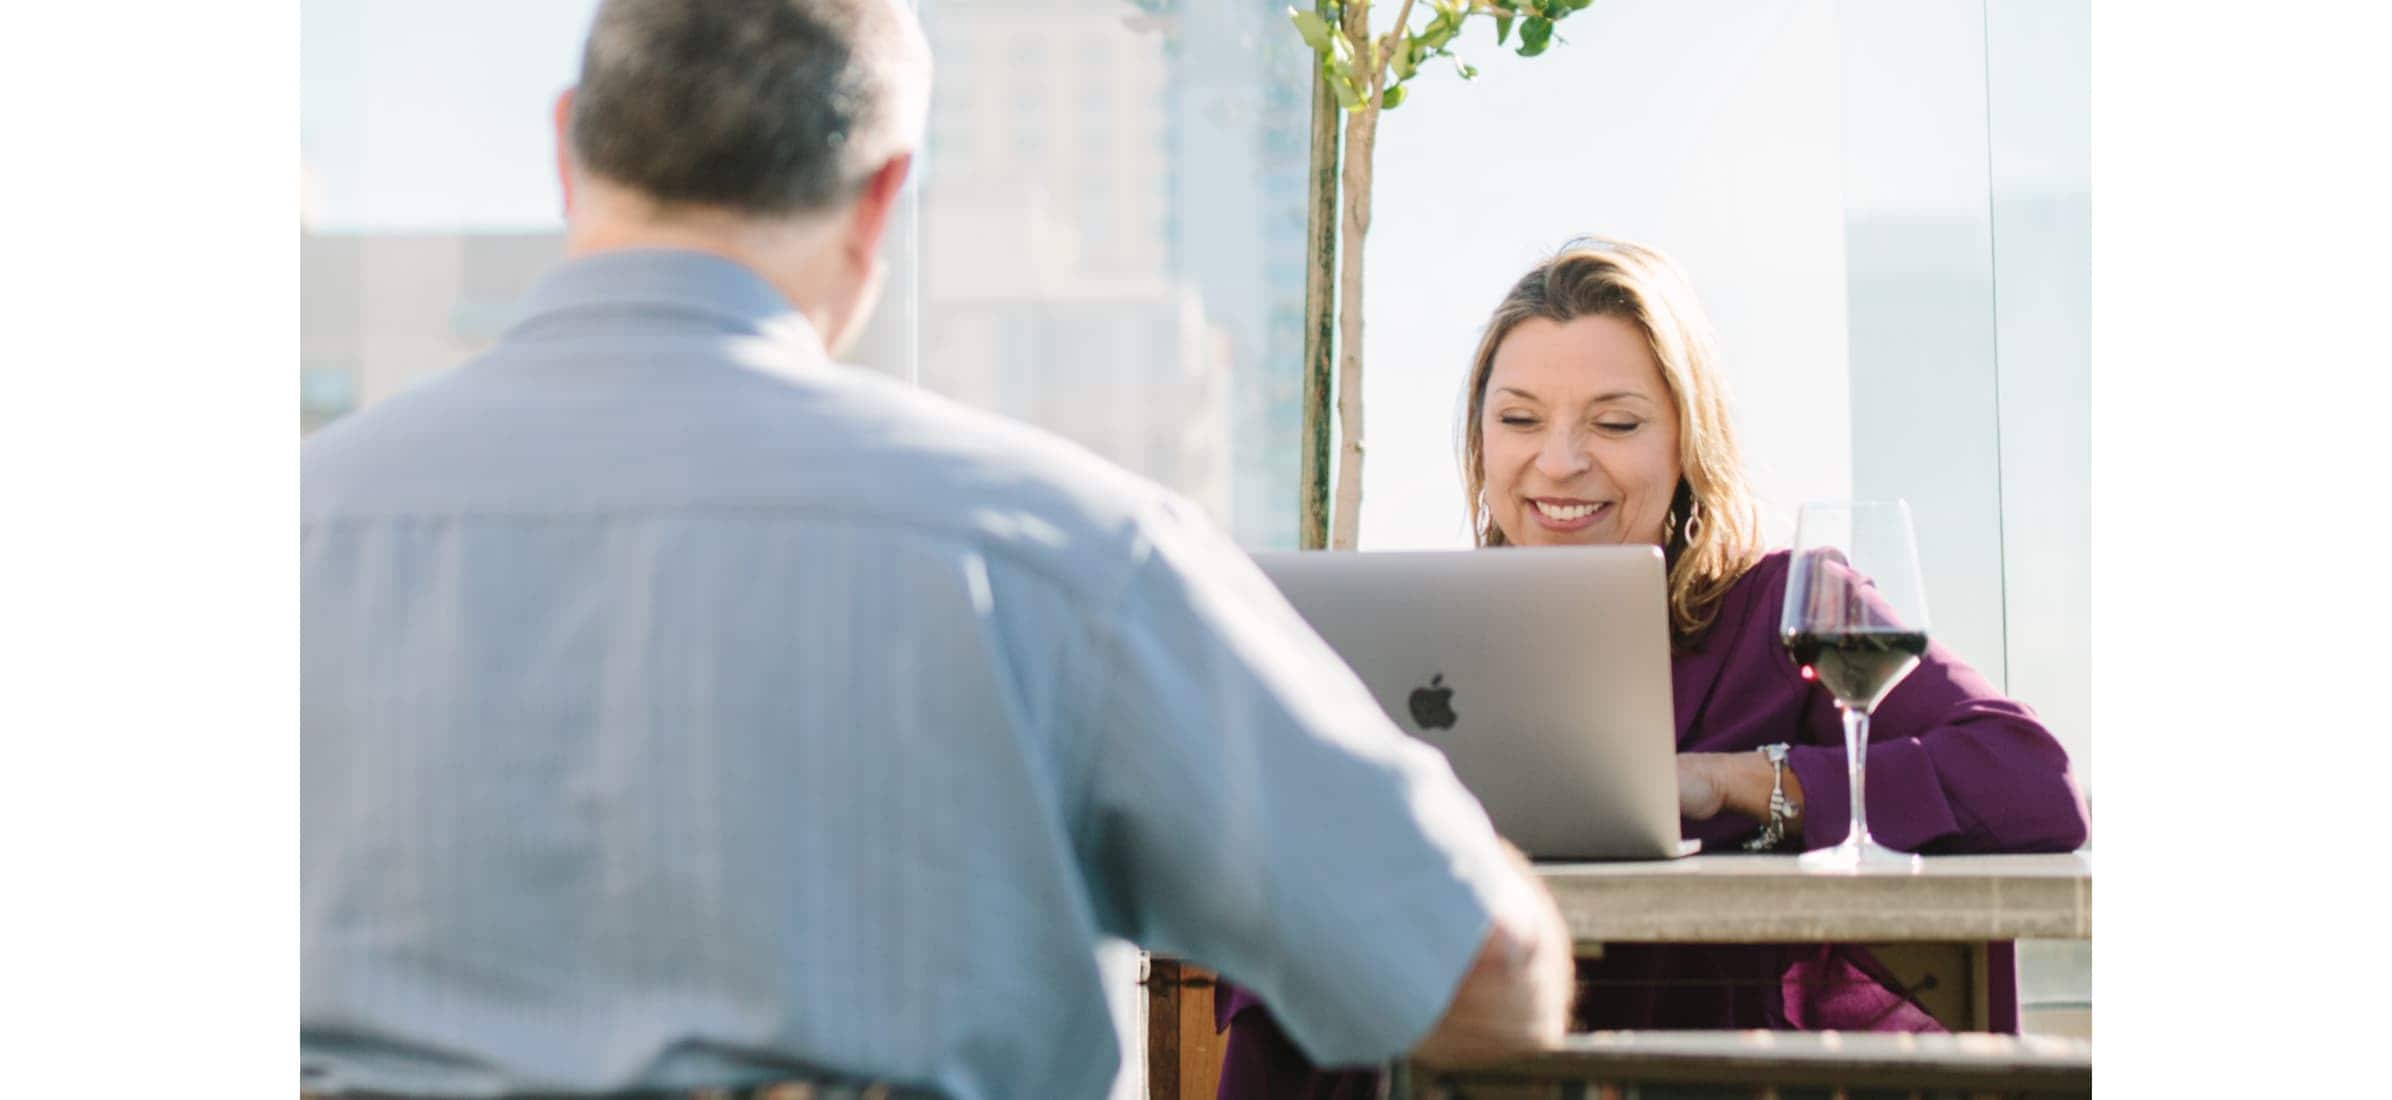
pixel 1694 520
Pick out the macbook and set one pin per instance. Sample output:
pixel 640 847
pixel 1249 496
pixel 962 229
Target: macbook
pixel 1541 673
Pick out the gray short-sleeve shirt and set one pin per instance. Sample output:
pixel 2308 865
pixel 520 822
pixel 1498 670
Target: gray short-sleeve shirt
pixel 679 708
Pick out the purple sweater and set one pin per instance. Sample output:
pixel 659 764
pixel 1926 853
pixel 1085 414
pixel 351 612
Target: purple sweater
pixel 1953 767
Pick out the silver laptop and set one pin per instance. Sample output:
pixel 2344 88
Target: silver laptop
pixel 1542 673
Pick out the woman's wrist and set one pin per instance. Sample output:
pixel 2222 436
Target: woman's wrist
pixel 1791 784
pixel 1745 779
pixel 1749 778
pixel 1740 783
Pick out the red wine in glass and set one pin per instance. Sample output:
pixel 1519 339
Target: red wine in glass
pixel 1857 666
pixel 1855 622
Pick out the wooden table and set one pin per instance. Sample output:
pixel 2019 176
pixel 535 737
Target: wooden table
pixel 1932 929
pixel 1771 899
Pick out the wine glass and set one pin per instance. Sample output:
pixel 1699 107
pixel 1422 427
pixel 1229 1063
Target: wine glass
pixel 1855 621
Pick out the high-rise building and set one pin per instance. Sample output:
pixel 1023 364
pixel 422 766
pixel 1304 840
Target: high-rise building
pixel 1084 150
pixel 1241 145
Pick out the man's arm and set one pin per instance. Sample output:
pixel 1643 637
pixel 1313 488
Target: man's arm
pixel 1248 806
pixel 1518 992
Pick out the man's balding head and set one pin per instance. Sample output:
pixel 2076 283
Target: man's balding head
pixel 765 108
pixel 774 133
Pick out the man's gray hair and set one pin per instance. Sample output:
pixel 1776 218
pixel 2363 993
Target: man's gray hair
pixel 765 107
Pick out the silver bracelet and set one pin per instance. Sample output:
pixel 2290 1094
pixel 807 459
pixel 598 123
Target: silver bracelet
pixel 1781 809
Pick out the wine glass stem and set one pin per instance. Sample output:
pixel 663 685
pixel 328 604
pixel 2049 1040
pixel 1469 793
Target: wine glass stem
pixel 1856 749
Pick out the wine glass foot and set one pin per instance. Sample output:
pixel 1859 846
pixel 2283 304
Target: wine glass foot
pixel 1854 856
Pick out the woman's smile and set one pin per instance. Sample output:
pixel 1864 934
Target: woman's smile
pixel 1562 514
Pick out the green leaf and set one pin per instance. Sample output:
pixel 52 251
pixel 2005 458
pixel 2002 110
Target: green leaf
pixel 1579 5
pixel 1341 80
pixel 1503 28
pixel 1467 72
pixel 1439 31
pixel 1314 30
pixel 1535 35
pixel 1343 89
pixel 1391 98
pixel 1407 60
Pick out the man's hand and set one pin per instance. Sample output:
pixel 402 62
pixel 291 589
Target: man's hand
pixel 1517 995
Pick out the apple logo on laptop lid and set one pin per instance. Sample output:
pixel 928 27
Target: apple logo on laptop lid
pixel 1432 705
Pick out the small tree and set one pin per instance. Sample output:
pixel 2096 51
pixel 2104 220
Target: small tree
pixel 1363 75
pixel 1369 74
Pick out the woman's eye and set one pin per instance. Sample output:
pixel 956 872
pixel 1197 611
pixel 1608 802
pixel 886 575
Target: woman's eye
pixel 1516 420
pixel 1619 427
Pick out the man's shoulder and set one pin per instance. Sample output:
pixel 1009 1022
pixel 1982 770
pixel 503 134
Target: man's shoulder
pixel 362 447
pixel 823 444
pixel 937 430
pixel 955 461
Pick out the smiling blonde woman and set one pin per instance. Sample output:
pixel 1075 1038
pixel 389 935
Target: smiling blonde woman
pixel 1596 415
pixel 1597 373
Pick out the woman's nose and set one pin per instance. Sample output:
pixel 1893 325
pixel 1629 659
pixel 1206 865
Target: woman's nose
pixel 1561 457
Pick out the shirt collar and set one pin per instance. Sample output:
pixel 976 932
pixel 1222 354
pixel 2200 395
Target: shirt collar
pixel 673 279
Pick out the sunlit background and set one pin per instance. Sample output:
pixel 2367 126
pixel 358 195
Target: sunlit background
pixel 1885 205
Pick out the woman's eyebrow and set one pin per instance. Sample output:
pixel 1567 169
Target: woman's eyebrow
pixel 1598 399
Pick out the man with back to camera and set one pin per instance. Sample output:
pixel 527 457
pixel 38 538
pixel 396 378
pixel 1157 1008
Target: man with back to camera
pixel 683 710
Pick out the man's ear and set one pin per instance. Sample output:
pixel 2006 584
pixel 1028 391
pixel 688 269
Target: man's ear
pixel 564 146
pixel 870 219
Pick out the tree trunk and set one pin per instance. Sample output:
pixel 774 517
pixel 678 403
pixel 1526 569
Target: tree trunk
pixel 1361 133
pixel 1320 316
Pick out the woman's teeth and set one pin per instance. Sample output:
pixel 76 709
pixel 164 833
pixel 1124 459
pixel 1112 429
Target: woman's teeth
pixel 1565 512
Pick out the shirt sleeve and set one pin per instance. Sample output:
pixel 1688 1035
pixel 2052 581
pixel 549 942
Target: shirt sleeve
pixel 1954 767
pixel 1249 807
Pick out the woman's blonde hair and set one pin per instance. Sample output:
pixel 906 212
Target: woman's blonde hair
pixel 1714 533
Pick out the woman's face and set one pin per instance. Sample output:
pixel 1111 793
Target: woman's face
pixel 1580 434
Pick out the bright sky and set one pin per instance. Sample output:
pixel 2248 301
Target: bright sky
pixel 433 115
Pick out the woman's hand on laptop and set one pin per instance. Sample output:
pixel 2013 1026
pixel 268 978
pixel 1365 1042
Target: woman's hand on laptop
pixel 1701 791
pixel 1712 782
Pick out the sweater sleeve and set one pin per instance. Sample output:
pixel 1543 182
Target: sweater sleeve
pixel 1953 767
